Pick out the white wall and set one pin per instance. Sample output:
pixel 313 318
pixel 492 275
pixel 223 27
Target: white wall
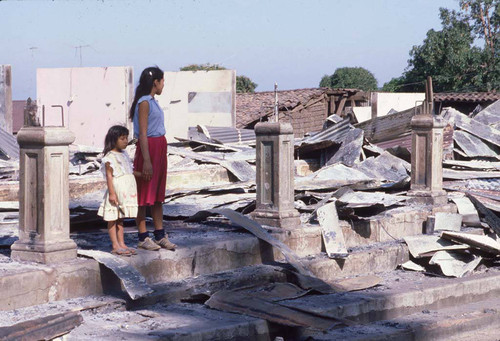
pixel 198 97
pixel 399 101
pixel 93 99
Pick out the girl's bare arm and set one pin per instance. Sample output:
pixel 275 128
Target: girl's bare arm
pixel 113 199
pixel 147 168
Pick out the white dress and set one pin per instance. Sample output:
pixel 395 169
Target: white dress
pixel 125 187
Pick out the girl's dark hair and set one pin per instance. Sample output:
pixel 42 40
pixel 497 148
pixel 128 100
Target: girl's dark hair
pixel 148 76
pixel 112 136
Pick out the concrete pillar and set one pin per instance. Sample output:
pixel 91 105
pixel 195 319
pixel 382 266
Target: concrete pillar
pixel 275 190
pixel 427 160
pixel 44 196
pixel 6 98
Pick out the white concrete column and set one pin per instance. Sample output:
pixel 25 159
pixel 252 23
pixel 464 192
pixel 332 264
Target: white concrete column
pixel 274 178
pixel 6 98
pixel 44 196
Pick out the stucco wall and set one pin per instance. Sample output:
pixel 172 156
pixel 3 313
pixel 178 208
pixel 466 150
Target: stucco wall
pixel 383 102
pixel 198 97
pixel 93 99
pixel 6 98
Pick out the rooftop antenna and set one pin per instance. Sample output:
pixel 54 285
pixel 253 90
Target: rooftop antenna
pixel 275 102
pixel 79 48
pixel 33 48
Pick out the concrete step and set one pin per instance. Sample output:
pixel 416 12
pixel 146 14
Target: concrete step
pixel 473 321
pixel 403 293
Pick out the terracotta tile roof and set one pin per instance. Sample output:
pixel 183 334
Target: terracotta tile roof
pixel 252 106
pixel 466 96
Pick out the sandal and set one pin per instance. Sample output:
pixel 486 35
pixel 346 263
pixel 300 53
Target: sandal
pixel 131 251
pixel 121 252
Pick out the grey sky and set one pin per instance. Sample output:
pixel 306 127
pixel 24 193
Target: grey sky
pixel 291 42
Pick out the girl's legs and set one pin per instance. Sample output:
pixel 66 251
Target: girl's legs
pixel 119 234
pixel 160 235
pixel 144 241
pixel 141 219
pixel 112 235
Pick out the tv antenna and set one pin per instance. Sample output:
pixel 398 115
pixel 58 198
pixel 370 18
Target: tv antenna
pixel 79 49
pixel 33 48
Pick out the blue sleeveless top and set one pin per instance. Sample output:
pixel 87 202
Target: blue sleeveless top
pixel 156 119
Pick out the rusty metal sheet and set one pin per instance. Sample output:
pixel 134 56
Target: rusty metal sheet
pixel 491 219
pixel 454 264
pixel 490 115
pixel 484 243
pixel 43 328
pixel 134 283
pixel 472 126
pixel 473 146
pixel 237 302
pixel 472 164
pixel 256 229
pixel 350 150
pixel 331 231
pixel 464 174
pixel 426 245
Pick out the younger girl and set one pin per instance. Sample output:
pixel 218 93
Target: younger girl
pixel 120 200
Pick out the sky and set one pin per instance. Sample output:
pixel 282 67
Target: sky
pixel 291 42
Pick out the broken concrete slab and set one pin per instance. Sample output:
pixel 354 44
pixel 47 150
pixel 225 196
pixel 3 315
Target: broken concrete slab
pixel 484 243
pixel 134 283
pixel 455 264
pixel 427 245
pixel 331 231
pixel 410 265
pixel 467 211
pixel 447 221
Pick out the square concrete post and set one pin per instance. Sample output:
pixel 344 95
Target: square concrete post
pixel 275 190
pixel 6 98
pixel 427 160
pixel 44 196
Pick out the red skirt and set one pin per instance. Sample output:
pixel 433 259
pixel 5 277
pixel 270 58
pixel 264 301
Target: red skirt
pixel 149 192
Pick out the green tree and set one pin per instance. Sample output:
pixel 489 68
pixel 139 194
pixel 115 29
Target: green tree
pixel 350 78
pixel 452 55
pixel 243 83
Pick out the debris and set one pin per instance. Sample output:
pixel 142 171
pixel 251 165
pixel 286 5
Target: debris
pixel 367 199
pixel 447 221
pixel 491 219
pixel 332 177
pixel 133 282
pixel 331 231
pixel 9 148
pixel 426 245
pixel 467 211
pixel 43 328
pixel 256 229
pixel 356 283
pixel 350 150
pixel 462 174
pixel 241 169
pixel 472 145
pixel 484 243
pixel 238 302
pixel 410 265
pixel 455 264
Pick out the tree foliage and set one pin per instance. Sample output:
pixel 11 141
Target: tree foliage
pixel 350 78
pixel 243 83
pixel 452 56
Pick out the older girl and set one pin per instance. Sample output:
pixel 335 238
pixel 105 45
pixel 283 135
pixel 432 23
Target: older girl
pixel 150 157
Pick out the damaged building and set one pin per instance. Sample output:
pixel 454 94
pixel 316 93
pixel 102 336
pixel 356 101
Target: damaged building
pixel 330 228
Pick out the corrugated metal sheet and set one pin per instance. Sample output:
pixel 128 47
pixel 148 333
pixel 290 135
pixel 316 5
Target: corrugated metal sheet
pixel 8 145
pixel 466 96
pixel 335 133
pixel 221 135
